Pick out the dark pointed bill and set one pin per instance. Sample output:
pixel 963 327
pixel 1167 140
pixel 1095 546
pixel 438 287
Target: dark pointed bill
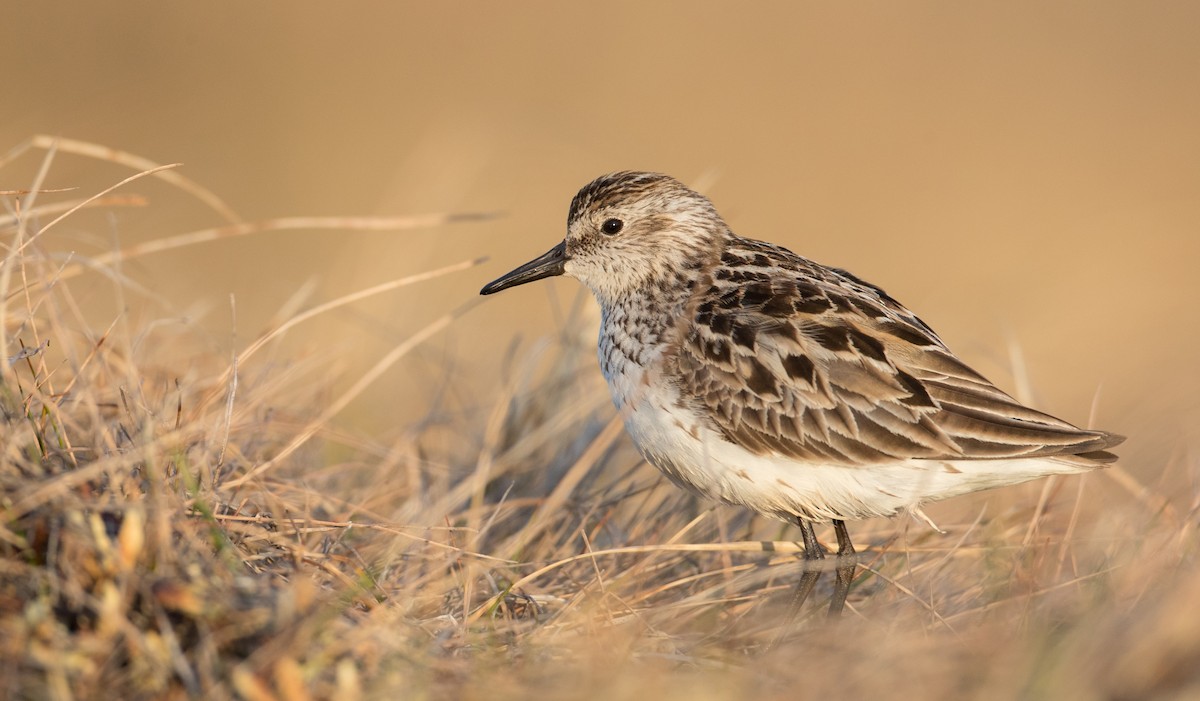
pixel 546 265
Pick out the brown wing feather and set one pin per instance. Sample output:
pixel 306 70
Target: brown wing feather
pixel 791 358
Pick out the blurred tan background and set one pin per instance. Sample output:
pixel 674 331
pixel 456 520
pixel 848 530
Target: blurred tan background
pixel 1022 172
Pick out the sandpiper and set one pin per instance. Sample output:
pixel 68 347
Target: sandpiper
pixel 753 376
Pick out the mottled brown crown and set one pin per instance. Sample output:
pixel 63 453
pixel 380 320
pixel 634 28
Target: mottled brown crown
pixel 614 188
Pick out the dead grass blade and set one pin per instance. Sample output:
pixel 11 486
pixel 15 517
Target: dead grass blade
pixel 280 224
pixel 129 160
pixel 25 244
pixel 125 200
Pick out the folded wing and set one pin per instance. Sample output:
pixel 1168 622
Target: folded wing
pixel 814 364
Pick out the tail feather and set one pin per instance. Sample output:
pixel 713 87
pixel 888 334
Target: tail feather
pixel 1098 457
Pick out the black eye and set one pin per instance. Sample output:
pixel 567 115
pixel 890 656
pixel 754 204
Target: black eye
pixel 612 226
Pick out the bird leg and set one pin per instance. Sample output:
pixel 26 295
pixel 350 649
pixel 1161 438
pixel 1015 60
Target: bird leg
pixel 846 564
pixel 813 552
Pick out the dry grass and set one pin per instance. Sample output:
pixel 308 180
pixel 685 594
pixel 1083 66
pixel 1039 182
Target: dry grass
pixel 177 523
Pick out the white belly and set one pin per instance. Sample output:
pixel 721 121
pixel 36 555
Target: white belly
pixel 702 461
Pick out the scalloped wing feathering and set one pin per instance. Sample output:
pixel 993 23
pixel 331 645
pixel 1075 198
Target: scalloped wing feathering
pixel 786 357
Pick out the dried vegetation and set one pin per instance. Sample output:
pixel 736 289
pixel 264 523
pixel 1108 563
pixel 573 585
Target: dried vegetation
pixel 177 523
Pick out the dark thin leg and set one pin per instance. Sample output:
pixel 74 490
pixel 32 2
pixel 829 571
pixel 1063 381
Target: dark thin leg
pixel 813 552
pixel 846 564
